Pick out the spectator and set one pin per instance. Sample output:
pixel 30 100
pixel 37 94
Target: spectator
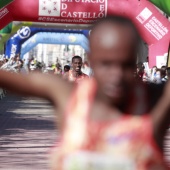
pixel 153 74
pixel 157 78
pixel 57 69
pixel 164 77
pixel 27 60
pixel 168 72
pixel 66 68
pixel 9 65
pixel 18 63
pixel 139 71
pixel 32 66
pixel 146 76
pixel 86 69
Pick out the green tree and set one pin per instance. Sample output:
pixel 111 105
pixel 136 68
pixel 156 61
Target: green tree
pixel 164 5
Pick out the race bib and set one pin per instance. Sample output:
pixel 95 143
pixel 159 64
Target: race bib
pixel 95 161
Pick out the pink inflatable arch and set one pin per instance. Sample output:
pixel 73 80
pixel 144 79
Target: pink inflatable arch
pixel 154 27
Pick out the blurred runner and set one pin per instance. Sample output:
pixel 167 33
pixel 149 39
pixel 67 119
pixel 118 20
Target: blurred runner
pixel 97 130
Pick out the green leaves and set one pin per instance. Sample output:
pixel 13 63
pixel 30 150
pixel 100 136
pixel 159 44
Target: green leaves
pixel 4 3
pixel 7 29
pixel 164 5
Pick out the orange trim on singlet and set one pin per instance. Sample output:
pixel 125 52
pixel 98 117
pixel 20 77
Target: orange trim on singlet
pixel 73 101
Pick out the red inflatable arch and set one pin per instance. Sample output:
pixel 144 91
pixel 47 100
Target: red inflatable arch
pixel 154 27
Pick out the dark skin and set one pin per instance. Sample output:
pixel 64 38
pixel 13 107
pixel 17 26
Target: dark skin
pixel 113 65
pixel 76 65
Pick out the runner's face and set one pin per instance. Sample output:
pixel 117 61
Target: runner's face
pixel 77 64
pixel 113 57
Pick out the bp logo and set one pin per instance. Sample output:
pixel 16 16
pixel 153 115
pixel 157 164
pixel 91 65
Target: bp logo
pixel 24 32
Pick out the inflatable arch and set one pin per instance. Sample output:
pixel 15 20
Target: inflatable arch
pixel 13 27
pixel 154 27
pixel 13 45
pixel 9 30
pixel 54 38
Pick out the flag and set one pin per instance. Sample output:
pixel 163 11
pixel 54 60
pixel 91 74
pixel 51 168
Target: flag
pixel 4 3
pixel 164 5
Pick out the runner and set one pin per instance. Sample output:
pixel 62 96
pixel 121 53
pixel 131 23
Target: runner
pixel 97 132
pixel 75 75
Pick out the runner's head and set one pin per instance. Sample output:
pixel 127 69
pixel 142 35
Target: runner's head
pixel 66 68
pixel 113 50
pixel 77 63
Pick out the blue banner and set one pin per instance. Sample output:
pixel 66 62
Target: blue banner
pixel 13 45
pixel 54 38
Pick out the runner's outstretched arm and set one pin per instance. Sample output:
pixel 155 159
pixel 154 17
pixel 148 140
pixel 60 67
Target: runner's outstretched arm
pixel 49 87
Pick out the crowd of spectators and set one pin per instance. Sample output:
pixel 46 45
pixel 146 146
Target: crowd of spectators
pixel 29 65
pixel 153 75
pixel 14 64
pixel 143 72
pixel 25 66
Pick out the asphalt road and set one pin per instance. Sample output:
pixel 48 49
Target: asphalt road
pixel 27 133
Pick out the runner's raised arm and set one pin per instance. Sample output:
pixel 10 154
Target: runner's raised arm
pixel 49 87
